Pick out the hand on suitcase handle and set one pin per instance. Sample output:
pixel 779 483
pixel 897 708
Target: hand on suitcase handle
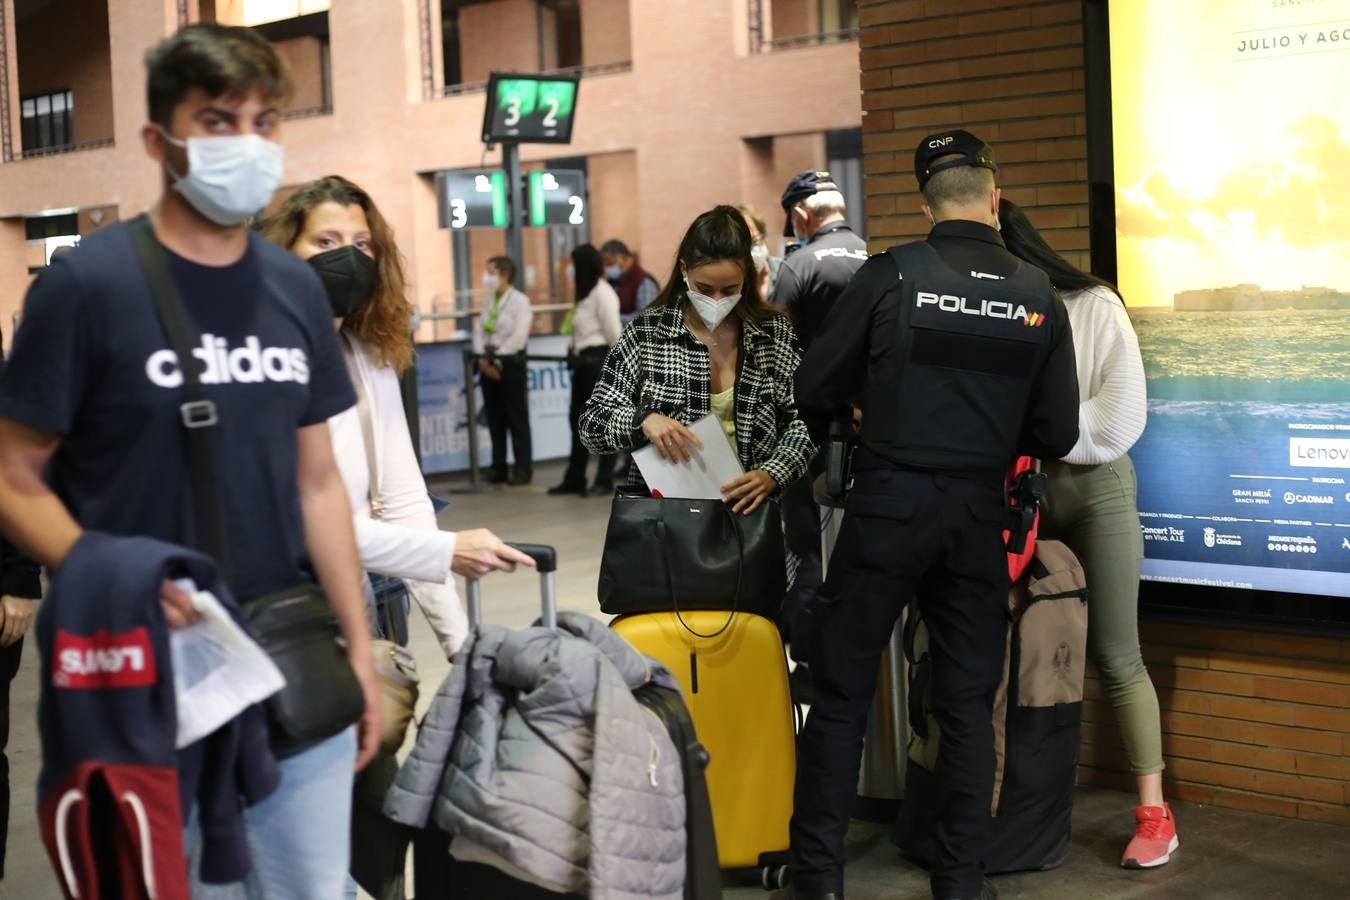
pixel 545 559
pixel 479 552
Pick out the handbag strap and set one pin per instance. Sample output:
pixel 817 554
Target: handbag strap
pixel 363 412
pixel 198 412
pixel 670 573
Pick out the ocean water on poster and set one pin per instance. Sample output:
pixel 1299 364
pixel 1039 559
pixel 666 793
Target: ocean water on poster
pixel 1229 394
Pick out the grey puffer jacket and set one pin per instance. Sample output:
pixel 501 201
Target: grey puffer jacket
pixel 537 757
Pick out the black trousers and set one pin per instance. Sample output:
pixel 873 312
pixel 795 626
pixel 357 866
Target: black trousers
pixel 10 657
pixel 906 533
pixel 507 404
pixel 585 373
pixel 801 533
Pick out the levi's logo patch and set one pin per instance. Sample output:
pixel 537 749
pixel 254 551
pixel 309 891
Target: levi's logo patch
pixel 104 660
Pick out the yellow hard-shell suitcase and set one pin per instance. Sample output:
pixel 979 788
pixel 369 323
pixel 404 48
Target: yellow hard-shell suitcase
pixel 736 687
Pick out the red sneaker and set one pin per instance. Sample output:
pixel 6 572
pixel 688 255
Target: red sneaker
pixel 1155 838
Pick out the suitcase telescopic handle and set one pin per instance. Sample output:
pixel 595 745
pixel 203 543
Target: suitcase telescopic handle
pixel 546 561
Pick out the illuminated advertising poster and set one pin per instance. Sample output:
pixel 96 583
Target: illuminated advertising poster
pixel 1231 131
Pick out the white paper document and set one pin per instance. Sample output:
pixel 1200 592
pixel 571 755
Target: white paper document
pixel 703 476
pixel 218 670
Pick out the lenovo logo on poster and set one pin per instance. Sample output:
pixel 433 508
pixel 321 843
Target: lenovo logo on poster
pixel 104 660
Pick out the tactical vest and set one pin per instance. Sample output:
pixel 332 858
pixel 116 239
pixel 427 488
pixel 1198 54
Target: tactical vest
pixel 956 380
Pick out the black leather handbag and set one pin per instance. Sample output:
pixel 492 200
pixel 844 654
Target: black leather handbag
pixel 296 626
pixel 665 555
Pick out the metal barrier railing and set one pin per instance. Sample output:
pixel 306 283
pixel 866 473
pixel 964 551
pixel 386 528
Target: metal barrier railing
pixel 456 315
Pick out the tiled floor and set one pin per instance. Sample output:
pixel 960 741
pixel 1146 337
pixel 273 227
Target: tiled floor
pixel 1225 855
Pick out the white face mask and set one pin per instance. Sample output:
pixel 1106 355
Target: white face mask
pixel 711 311
pixel 229 178
pixel 760 254
pixel 491 281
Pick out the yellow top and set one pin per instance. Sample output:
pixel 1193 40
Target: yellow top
pixel 724 407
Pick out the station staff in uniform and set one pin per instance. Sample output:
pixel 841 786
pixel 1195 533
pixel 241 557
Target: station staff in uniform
pixel 960 357
pixel 500 336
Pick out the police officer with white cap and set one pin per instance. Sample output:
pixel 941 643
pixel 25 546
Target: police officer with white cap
pixel 960 357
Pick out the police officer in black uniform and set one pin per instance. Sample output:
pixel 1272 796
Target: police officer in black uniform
pixel 808 283
pixel 829 254
pixel 960 358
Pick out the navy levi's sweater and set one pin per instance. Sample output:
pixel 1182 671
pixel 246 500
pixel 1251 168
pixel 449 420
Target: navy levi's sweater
pixel 113 793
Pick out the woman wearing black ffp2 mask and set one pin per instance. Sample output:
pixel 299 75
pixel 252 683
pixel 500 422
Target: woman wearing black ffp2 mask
pixel 348 275
pixel 336 226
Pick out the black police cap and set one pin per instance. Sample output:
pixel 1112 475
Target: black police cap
pixel 812 181
pixel 964 148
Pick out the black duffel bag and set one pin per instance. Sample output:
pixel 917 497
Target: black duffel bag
pixel 669 555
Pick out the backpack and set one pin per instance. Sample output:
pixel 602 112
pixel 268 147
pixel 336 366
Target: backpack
pixel 1037 714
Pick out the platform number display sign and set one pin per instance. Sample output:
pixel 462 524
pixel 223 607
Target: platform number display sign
pixel 471 199
pixel 529 109
pixel 557 197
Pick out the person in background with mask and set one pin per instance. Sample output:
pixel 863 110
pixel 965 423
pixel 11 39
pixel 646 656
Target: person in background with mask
pixel 708 343
pixel 91 417
pixel 500 334
pixel 764 264
pixel 336 226
pixel 593 325
pixel 636 287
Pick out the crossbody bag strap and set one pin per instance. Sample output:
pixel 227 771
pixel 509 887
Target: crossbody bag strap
pixel 197 412
pixel 367 418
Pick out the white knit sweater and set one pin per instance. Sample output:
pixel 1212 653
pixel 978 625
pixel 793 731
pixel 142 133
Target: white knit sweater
pixel 1110 377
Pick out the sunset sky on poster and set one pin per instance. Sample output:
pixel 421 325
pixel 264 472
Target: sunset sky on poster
pixel 1232 164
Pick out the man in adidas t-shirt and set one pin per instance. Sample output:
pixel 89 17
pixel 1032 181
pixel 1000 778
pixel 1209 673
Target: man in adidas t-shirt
pixel 93 393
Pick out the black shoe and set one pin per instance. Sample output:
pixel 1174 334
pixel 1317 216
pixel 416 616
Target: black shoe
pixel 564 489
pixel 497 477
pixel 603 488
pixel 987 892
pixel 521 478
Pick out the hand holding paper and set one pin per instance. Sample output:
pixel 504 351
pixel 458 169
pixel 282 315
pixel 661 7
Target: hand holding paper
pixel 669 438
pixel 698 460
pixel 218 670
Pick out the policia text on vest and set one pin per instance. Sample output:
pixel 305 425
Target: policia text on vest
pixel 960 357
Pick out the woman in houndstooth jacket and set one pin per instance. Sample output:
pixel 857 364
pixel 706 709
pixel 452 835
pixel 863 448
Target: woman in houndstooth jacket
pixel 708 343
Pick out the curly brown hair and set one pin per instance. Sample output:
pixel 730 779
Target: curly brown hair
pixel 385 323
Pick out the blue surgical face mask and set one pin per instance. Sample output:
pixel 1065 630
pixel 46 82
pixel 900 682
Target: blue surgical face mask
pixel 613 273
pixel 229 178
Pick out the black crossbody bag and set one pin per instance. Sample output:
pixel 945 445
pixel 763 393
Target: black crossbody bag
pixel 296 626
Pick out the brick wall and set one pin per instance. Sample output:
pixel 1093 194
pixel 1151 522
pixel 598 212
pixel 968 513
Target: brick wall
pixel 304 57
pixel 606 32
pixel 1011 72
pixel 498 37
pixel 1251 720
